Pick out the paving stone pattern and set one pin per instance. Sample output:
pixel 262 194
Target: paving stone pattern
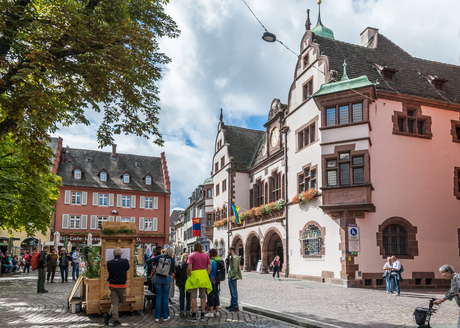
pixel 340 306
pixel 21 306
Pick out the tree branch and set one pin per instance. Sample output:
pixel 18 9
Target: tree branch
pixel 11 23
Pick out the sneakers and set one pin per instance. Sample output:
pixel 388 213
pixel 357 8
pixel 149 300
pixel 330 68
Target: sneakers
pixel 217 313
pixel 273 277
pixel 43 291
pixel 116 323
pixel 192 318
pixel 157 320
pixel 182 315
pixel 209 315
pixel 166 319
pixel 228 307
pixel 234 309
pixel 396 294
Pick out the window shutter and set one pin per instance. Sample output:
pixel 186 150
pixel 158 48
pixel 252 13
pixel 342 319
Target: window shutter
pixel 84 197
pixel 67 197
pixel 95 198
pixel 133 220
pixel 155 203
pixel 111 196
pixel 119 199
pixel 110 218
pixel 142 202
pixel 141 223
pixel 93 222
pixel 84 222
pixel 155 224
pixel 118 218
pixel 133 201
pixel 65 220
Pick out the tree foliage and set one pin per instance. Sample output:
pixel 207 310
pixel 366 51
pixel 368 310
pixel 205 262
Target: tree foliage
pixel 28 188
pixel 60 57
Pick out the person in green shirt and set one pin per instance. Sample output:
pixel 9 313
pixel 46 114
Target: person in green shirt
pixel 234 273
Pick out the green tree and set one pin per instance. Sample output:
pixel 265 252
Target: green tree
pixel 60 57
pixel 28 188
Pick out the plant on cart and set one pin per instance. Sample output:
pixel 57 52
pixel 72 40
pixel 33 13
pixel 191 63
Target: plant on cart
pixel 89 256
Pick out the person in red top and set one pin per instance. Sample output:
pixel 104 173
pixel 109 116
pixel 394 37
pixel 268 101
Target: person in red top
pixel 27 258
pixel 276 263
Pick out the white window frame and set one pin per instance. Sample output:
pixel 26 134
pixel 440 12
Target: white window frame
pixel 103 176
pixel 74 219
pixel 126 201
pixel 77 174
pixel 101 219
pixel 126 178
pixel 102 197
pixel 148 180
pixel 76 196
pixel 148 224
pixel 148 203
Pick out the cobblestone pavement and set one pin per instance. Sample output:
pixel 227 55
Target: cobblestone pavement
pixel 339 306
pixel 21 306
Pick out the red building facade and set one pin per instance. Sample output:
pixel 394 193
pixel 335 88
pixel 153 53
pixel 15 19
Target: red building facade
pixel 102 186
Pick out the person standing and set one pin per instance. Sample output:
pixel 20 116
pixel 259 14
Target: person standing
pixel 181 279
pixel 198 269
pixel 234 273
pixel 76 260
pixel 51 260
pixel 213 296
pixel 41 270
pixel 276 263
pixel 387 267
pixel 396 273
pixel 64 265
pixel 448 272
pixel 118 275
pixel 27 257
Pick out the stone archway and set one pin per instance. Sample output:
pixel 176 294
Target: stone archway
pixel 273 245
pixel 252 252
pixel 29 244
pixel 237 242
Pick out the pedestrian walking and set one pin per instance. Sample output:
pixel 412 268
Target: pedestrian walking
pixel 213 296
pixel 276 263
pixel 118 275
pixel 198 269
pixel 165 265
pixel 41 270
pixel 387 275
pixel 64 265
pixel 76 260
pixel 234 273
pixel 181 279
pixel 27 258
pixel 51 265
pixel 396 271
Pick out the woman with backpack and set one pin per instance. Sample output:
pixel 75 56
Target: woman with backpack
pixel 181 279
pixel 213 296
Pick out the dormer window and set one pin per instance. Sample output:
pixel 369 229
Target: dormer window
pixel 148 180
pixel 77 174
pixel 388 75
pixel 438 84
pixel 126 178
pixel 138 165
pixel 103 176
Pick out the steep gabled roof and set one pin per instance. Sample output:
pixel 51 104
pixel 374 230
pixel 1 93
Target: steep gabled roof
pixel 174 217
pixel 409 79
pixel 244 145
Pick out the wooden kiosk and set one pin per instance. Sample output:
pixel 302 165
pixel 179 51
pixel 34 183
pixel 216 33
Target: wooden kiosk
pixel 95 292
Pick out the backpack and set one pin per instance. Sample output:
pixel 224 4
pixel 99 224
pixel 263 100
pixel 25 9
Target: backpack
pixel 220 274
pixel 163 267
pixel 402 269
pixel 34 261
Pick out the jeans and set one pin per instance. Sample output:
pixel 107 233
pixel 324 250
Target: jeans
pixel 389 283
pixel 162 285
pixel 64 270
pixel 396 282
pixel 183 297
pixel 233 293
pixel 26 267
pixel 213 296
pixel 276 269
pixel 75 270
pixel 6 268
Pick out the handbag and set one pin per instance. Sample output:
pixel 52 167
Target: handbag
pixel 271 265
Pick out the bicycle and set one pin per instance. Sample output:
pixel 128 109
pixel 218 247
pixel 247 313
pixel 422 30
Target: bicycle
pixel 423 315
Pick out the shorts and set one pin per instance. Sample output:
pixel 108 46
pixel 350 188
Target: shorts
pixel 193 292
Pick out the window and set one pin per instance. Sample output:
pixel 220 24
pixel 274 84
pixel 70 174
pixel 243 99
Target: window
pixel 125 220
pixel 259 193
pixel 307 179
pixel 388 75
pixel 217 189
pixel 224 185
pixel 357 112
pixel 222 162
pixel 126 178
pixel 148 180
pixel 148 202
pixel 395 240
pixel 455 131
pixel 307 89
pixel 148 224
pixel 76 198
pixel 101 219
pixel 77 174
pixel 344 114
pixel 306 135
pixel 438 84
pixel 345 170
pixel 209 220
pixel 457 184
pixel 75 222
pixel 306 60
pixel 103 176
pixel 311 240
pixel 330 116
pixel 411 122
pixel 103 199
pixel 126 201
pixel 216 167
pixel 275 187
pixel 209 193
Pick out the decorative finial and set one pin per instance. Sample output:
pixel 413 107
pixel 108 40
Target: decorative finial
pixel 221 116
pixel 319 13
pixel 319 2
pixel 308 22
pixel 344 76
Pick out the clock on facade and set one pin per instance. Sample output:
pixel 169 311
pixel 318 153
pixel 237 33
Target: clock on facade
pixel 275 137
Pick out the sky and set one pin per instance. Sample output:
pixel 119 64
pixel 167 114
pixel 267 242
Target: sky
pixel 220 61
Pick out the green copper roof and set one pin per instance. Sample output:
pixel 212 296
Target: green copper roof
pixel 208 181
pixel 320 29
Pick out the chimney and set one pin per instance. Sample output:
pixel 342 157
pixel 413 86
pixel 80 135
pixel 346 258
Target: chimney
pixel 367 35
pixel 114 151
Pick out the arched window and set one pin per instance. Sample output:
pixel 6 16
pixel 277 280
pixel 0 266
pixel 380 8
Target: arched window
pixel 103 176
pixel 216 244
pixel 221 249
pixel 77 174
pixel 311 240
pixel 395 240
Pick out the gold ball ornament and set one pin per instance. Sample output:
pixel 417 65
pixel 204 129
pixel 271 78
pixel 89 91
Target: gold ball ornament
pixel 319 2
